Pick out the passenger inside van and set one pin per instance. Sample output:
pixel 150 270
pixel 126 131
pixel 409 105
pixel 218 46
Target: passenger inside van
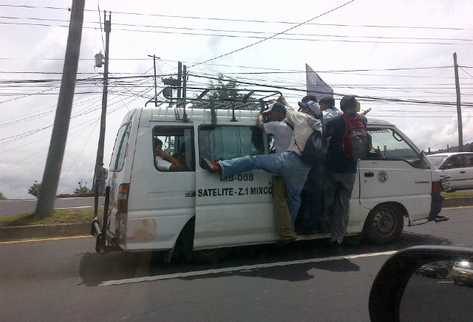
pixel 164 161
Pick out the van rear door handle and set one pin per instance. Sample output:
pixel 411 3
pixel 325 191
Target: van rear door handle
pixel 369 174
pixel 462 171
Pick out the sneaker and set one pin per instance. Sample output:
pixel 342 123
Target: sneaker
pixel 440 218
pixel 211 166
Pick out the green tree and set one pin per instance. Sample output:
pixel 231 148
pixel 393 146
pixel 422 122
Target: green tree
pixel 222 94
pixel 82 188
pixel 35 189
pixel 2 196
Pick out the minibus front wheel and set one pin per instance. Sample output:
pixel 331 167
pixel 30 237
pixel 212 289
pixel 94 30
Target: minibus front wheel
pixel 385 223
pixel 182 251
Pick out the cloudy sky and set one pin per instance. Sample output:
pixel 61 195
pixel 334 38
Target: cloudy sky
pixel 369 35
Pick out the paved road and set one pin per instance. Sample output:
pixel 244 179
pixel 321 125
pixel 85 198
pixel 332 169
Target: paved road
pixel 23 206
pixel 66 281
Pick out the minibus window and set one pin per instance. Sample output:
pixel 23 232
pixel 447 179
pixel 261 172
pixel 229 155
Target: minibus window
pixel 119 150
pixel 389 145
pixel 173 148
pixel 227 142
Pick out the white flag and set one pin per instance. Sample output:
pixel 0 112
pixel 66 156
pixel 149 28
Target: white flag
pixel 315 85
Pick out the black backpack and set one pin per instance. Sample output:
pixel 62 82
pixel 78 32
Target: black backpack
pixel 315 149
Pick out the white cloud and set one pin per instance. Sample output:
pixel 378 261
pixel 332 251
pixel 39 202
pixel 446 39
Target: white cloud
pixel 22 161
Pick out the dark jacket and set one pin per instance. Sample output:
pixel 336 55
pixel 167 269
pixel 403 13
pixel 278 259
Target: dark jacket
pixel 336 160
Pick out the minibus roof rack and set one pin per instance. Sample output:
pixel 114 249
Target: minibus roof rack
pixel 242 99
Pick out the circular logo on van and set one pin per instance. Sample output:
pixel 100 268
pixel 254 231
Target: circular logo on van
pixel 382 176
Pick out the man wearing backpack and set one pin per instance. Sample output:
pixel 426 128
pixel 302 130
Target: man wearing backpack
pixel 348 141
pixel 288 164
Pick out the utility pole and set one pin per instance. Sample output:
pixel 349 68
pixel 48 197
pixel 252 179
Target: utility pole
pixel 57 145
pixel 103 117
pixel 155 81
pixel 179 80
pixel 184 93
pixel 459 109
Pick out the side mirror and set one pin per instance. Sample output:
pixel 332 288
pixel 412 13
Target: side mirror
pixel 424 284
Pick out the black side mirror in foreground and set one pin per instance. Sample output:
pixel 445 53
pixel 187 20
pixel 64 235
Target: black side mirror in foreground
pixel 424 284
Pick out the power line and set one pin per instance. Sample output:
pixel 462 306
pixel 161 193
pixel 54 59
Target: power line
pixel 272 36
pixel 239 31
pixel 45 94
pixel 49 111
pixel 76 105
pixel 261 38
pixel 35 131
pixel 39 72
pixel 465 71
pixel 49 80
pixel 258 72
pixel 340 71
pixel 372 98
pixel 242 66
pixel 258 21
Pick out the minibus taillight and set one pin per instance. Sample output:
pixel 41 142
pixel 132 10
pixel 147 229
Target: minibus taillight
pixel 436 186
pixel 122 198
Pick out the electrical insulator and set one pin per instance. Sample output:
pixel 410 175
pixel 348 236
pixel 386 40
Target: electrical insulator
pixel 99 60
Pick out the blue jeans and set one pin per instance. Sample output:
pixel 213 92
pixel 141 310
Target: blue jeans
pixel 285 164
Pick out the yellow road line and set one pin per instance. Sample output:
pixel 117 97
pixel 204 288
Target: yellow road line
pixel 37 240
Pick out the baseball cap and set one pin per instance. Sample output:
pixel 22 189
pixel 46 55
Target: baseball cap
pixel 311 105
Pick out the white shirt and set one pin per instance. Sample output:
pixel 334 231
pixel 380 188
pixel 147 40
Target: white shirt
pixel 162 164
pixel 281 132
pixel 304 125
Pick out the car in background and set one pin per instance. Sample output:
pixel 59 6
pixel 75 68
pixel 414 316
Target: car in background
pixel 462 272
pixel 456 169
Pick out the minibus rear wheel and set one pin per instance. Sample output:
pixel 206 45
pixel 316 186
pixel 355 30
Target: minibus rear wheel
pixel 384 223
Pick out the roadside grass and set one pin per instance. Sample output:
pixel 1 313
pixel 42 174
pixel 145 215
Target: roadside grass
pixel 60 216
pixel 458 194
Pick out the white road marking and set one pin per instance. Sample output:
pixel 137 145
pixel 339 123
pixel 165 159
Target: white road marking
pixel 26 241
pixel 238 268
pixel 77 207
pixel 458 207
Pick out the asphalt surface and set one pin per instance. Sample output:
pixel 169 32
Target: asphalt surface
pixel 64 280
pixel 23 206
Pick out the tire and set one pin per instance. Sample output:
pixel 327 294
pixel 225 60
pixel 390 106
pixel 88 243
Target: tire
pixel 384 224
pixel 182 252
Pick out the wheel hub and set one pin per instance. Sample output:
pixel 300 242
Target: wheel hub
pixel 384 222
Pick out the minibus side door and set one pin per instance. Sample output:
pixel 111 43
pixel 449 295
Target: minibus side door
pixel 235 210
